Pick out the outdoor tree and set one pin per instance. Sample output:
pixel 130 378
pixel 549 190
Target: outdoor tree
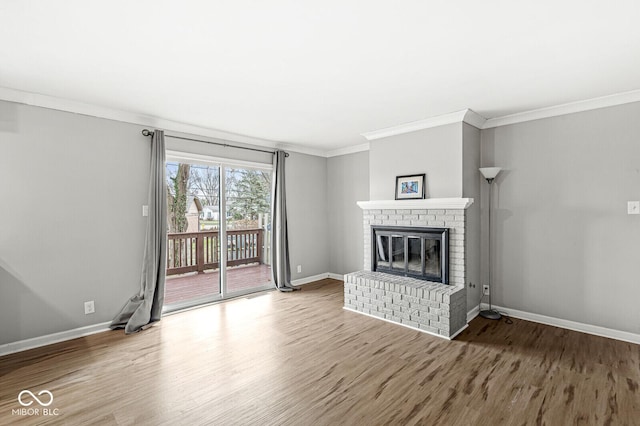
pixel 178 191
pixel 251 195
pixel 205 181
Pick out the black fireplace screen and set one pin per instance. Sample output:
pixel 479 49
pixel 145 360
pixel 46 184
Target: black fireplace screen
pixel 414 252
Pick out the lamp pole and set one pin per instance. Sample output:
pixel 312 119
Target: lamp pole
pixel 490 313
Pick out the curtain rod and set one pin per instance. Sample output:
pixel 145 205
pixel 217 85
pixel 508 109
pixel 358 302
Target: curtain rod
pixel 147 132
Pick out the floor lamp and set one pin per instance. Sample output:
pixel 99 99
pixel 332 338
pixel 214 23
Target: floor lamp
pixel 490 174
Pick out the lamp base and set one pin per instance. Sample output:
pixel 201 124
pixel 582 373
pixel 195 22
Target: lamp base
pixel 490 314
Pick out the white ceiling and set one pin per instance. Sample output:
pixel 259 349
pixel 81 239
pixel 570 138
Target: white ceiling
pixel 319 73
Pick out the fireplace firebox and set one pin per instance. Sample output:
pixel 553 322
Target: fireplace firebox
pixel 411 252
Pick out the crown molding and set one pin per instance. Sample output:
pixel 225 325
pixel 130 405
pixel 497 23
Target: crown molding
pixel 348 150
pixel 563 109
pixel 301 149
pixel 413 126
pixel 464 116
pixel 67 105
pixel 474 119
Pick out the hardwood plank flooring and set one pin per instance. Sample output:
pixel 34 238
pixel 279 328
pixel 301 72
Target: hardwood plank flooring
pixel 300 359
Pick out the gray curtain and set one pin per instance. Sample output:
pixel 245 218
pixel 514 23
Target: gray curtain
pixel 280 268
pixel 146 307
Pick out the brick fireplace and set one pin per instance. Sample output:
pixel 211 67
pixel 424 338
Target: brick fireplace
pixel 431 307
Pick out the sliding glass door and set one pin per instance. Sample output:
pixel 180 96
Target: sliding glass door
pixel 248 206
pixel 218 230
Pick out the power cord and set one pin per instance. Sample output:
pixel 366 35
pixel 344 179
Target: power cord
pixel 506 316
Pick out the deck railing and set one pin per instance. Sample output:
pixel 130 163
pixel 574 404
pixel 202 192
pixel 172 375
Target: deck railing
pixel 198 251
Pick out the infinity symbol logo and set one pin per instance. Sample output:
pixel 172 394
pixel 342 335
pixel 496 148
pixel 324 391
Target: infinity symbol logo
pixel 42 392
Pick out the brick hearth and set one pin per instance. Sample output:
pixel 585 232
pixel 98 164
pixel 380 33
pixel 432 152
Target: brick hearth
pixel 427 306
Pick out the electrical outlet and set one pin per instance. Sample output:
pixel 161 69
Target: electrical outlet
pixel 485 290
pixel 145 210
pixel 633 207
pixel 89 307
pixel 299 269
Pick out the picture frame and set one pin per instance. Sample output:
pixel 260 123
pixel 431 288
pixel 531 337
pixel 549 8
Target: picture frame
pixel 410 187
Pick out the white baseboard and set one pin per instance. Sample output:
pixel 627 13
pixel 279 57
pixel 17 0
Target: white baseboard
pixel 625 336
pixel 36 342
pixel 473 313
pixel 313 278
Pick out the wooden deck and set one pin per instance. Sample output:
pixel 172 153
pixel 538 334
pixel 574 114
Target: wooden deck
pixel 180 288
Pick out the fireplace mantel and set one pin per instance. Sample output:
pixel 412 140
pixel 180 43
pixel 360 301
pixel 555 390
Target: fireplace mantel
pixel 429 203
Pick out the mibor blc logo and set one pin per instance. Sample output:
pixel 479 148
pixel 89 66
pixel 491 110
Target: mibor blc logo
pixel 31 404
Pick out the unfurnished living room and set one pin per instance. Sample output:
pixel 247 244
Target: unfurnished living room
pixel 319 213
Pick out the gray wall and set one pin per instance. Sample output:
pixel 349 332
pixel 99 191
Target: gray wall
pixel 436 152
pixel 347 183
pixel 71 225
pixel 217 151
pixel 564 244
pixel 471 180
pixel 307 211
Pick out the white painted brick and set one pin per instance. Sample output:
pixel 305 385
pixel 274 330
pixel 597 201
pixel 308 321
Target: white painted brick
pixel 410 323
pixel 454 224
pixel 363 299
pixel 430 329
pixel 378 303
pixel 402 299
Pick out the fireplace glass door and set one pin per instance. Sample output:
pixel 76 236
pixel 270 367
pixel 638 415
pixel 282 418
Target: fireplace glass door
pixel 397 252
pixel 414 255
pixel 416 252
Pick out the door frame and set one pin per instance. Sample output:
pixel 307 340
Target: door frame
pixel 222 164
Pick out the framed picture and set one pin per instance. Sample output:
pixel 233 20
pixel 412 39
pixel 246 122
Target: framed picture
pixel 410 187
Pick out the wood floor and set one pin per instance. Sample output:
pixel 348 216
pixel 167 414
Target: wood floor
pixel 300 359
